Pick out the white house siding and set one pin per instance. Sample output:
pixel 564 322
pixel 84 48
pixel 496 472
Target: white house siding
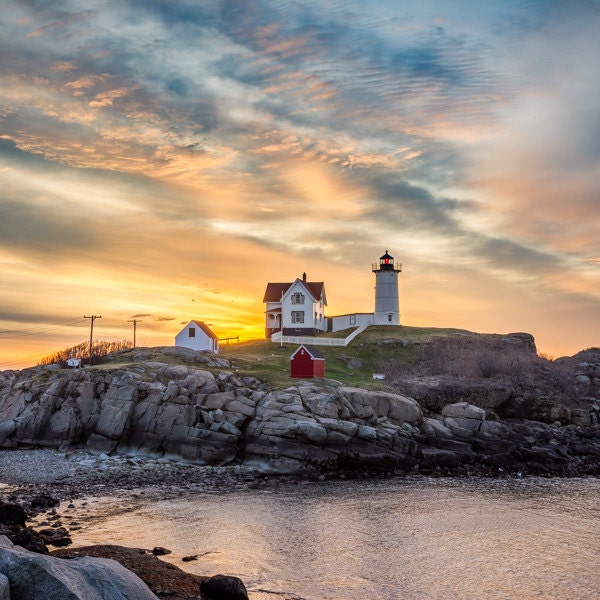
pixel 352 320
pixel 194 337
pixel 302 313
pixel 272 318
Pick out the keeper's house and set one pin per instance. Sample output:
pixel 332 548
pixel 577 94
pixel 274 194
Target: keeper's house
pixel 296 309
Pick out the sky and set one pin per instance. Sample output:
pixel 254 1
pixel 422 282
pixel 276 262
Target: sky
pixel 163 160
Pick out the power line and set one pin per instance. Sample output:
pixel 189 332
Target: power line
pixel 43 329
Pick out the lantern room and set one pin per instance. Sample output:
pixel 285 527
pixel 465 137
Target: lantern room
pixel 386 262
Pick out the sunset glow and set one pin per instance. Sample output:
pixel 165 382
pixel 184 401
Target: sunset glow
pixel 164 160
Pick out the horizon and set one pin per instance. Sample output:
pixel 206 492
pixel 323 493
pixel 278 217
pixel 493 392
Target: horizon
pixel 164 161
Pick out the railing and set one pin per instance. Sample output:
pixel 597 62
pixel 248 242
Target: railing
pixel 318 341
pixel 389 267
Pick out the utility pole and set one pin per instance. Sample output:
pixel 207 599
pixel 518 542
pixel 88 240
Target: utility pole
pixel 135 322
pixel 93 318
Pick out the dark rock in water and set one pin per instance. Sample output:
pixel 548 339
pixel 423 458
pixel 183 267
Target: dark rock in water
pixel 27 538
pixel 160 551
pixel 190 558
pixel 12 514
pixel 43 502
pixel 12 525
pixel 223 587
pixel 58 536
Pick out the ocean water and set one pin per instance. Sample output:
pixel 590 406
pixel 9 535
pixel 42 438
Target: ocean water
pixel 378 540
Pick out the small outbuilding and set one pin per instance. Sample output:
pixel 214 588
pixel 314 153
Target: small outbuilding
pixel 307 362
pixel 197 335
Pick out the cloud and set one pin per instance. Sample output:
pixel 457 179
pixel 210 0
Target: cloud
pixel 148 147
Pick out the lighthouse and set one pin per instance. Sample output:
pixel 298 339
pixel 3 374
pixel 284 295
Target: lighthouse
pixel 387 310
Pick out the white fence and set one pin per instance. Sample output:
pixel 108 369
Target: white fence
pixel 318 341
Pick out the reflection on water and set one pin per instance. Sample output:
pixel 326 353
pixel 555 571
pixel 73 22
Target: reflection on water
pixel 382 540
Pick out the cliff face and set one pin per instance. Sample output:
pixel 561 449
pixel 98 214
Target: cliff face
pixel 204 412
pixel 203 416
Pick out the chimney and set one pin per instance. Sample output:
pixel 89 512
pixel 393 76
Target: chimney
pixel 303 277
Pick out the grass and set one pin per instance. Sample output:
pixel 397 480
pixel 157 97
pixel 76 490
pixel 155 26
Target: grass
pixel 372 348
pixel 369 352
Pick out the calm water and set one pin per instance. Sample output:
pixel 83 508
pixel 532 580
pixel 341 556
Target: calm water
pixel 381 539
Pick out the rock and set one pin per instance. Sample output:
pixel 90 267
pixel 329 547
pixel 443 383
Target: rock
pixel 463 419
pixel 190 558
pixel 223 587
pixel 164 579
pixel 435 428
pixel 365 432
pixel 12 514
pixel 34 576
pixel 55 536
pixel 311 431
pixel 4 588
pixel 368 404
pixel 43 502
pixel 440 458
pixel 27 538
pixel 463 410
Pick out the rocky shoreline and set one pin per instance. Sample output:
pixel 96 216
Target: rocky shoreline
pixel 147 428
pixel 55 488
pixel 201 412
pixel 46 495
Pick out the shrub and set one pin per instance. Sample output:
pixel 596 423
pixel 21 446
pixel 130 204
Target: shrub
pixel 82 351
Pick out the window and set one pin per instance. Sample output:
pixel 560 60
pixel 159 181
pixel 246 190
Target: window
pixel 192 332
pixel 297 298
pixel 297 316
pixel 352 319
pixel 389 318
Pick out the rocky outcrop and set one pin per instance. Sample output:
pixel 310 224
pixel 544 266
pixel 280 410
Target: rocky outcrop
pixel 205 417
pixel 26 575
pixel 462 441
pixel 215 416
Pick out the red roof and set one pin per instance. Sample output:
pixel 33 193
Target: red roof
pixel 275 291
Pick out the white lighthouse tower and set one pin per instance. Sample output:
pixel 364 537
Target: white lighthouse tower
pixel 387 310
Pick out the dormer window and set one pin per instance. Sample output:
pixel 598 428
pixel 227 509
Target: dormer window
pixel 297 298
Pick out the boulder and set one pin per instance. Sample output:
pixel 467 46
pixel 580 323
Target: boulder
pixel 463 419
pixel 370 405
pixel 34 576
pixel 223 587
pixel 463 410
pixel 4 588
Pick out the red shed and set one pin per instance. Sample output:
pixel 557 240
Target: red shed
pixel 307 362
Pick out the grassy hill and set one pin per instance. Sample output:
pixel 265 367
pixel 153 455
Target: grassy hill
pixel 368 352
